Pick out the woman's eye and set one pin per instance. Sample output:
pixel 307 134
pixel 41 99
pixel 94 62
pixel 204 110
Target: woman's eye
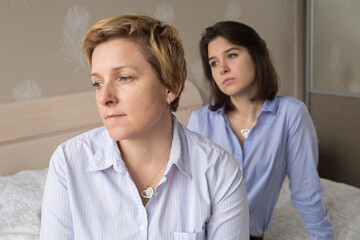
pixel 213 64
pixel 125 79
pixel 232 55
pixel 97 85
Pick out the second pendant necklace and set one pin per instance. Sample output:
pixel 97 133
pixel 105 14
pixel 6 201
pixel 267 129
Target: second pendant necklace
pixel 245 132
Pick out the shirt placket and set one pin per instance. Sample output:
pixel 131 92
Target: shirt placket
pixel 237 150
pixel 142 223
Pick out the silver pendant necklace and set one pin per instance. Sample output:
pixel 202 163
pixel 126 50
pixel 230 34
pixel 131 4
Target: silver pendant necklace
pixel 148 190
pixel 245 132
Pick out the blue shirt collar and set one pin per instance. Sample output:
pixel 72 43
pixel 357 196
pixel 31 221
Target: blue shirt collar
pixel 269 106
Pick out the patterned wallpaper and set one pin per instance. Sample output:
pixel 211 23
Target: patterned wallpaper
pixel 40 52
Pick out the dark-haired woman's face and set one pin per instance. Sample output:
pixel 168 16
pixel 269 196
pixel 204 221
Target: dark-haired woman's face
pixel 232 68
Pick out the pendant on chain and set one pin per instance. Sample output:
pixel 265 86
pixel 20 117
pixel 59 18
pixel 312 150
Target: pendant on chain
pixel 147 192
pixel 245 132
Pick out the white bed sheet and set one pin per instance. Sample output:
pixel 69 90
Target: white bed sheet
pixel 20 205
pixel 21 196
pixel 342 202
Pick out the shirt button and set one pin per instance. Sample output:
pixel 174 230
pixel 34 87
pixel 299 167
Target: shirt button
pixel 142 227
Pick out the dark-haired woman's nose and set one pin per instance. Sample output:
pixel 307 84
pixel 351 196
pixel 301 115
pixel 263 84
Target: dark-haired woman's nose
pixel 224 69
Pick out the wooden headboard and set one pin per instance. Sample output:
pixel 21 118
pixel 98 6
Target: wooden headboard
pixel 31 130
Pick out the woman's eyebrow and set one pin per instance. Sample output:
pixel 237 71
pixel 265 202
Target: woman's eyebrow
pixel 230 49
pixel 116 69
pixel 226 51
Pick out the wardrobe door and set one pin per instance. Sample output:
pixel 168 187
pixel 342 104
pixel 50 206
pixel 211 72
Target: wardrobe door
pixel 333 86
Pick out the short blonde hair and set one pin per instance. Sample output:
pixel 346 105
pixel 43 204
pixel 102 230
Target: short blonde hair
pixel 161 44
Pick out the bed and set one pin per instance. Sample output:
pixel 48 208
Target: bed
pixel 25 150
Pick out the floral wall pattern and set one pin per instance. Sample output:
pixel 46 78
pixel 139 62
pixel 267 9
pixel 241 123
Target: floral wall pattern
pixel 76 24
pixel 40 51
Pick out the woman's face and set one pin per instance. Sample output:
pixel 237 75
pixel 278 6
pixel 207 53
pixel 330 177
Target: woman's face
pixel 232 68
pixel 130 98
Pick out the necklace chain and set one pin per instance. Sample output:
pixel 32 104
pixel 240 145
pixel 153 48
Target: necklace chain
pixel 148 190
pixel 246 131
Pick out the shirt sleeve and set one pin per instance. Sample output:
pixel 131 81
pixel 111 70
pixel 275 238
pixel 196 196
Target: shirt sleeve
pixel 230 213
pixel 56 219
pixel 305 186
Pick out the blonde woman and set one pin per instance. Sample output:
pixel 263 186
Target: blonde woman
pixel 143 175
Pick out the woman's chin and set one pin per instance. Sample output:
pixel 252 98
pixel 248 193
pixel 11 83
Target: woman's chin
pixel 117 134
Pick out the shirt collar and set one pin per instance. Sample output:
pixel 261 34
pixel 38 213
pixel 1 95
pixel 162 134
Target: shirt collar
pixel 179 155
pixel 106 155
pixel 269 106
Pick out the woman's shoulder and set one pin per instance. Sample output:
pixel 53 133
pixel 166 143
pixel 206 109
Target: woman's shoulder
pixel 292 110
pixel 205 115
pixel 289 104
pixel 210 151
pixel 90 137
pixel 84 146
pixel 289 101
pixel 198 140
pixel 204 111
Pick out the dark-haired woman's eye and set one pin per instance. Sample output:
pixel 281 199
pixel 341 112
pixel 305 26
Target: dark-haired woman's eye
pixel 232 55
pixel 213 64
pixel 126 78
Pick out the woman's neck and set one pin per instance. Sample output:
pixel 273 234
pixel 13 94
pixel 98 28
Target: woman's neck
pixel 245 109
pixel 146 157
pixel 148 149
pixel 243 118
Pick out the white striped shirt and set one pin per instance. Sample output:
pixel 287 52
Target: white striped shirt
pixel 89 193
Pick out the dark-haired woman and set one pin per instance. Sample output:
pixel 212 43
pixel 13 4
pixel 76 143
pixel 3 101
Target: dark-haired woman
pixel 270 136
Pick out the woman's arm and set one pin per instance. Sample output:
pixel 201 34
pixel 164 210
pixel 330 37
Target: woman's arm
pixel 56 219
pixel 230 213
pixel 305 186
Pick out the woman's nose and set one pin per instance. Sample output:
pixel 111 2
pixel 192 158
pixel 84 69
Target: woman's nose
pixel 224 68
pixel 106 95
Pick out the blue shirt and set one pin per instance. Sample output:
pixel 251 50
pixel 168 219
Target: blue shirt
pixel 282 142
pixel 89 193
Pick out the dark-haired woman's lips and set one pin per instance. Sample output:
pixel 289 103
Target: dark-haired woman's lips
pixel 227 80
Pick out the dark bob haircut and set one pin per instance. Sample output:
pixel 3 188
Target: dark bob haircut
pixel 266 78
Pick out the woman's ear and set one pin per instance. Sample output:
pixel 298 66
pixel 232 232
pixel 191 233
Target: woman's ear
pixel 172 94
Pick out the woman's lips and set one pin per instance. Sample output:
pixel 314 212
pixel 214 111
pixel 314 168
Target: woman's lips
pixel 114 116
pixel 227 80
